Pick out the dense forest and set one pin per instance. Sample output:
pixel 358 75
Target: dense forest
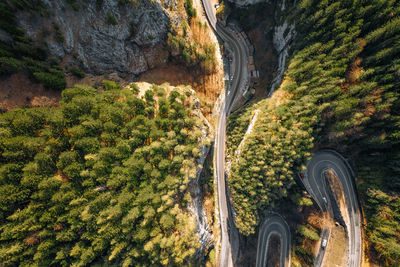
pixel 102 180
pixel 341 90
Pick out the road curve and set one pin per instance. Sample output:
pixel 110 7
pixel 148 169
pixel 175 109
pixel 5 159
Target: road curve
pixel 274 224
pixel 240 62
pixel 315 183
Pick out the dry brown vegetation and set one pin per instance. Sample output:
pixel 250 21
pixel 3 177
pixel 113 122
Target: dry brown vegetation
pixel 207 84
pixel 17 90
pixel 32 240
pixel 265 60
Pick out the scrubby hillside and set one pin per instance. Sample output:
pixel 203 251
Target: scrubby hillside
pixel 57 43
pixel 341 90
pixel 102 180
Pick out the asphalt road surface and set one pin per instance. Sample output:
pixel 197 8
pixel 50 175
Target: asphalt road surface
pixel 321 252
pixel 273 225
pixel 240 61
pixel 315 183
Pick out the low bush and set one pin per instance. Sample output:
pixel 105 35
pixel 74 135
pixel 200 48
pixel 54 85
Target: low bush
pixel 77 72
pixel 111 85
pixel 9 65
pixel 111 20
pixel 190 10
pixel 50 81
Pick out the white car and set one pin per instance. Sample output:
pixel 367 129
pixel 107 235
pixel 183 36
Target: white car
pixel 324 243
pixel 326 201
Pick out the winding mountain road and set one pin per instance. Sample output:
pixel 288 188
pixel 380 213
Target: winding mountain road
pixel 313 179
pixel 273 225
pixel 315 183
pixel 239 78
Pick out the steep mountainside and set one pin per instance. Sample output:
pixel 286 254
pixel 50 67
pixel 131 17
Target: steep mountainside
pixel 102 36
pixel 341 91
pixel 102 180
pixel 54 44
pixel 245 2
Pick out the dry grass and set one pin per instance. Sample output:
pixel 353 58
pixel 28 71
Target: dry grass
pixel 335 184
pixel 281 97
pixel 31 240
pixel 338 192
pixel 336 251
pixel 17 90
pixel 44 101
pixel 200 32
pixel 315 220
pixel 207 87
pixel 58 227
pixel 265 60
pixel 354 71
pixel 61 176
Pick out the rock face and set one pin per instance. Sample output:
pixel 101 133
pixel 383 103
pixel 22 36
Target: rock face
pixel 246 2
pixel 102 36
pixel 282 45
pixel 204 230
pixel 282 38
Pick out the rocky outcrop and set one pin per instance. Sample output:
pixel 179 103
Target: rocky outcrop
pixel 102 36
pixel 284 34
pixel 204 230
pixel 242 3
pixel 282 46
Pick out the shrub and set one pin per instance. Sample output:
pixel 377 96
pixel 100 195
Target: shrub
pixel 111 85
pixel 9 65
pixel 77 72
pixel 135 88
pixel 60 37
pixel 23 49
pixel 190 10
pixel 111 20
pixel 50 81
pixel 74 5
pixel 133 29
pixel 5 53
pixel 307 232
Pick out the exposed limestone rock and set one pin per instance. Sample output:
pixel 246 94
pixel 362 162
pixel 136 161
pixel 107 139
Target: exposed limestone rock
pixel 203 228
pixel 246 2
pixel 282 45
pixel 135 44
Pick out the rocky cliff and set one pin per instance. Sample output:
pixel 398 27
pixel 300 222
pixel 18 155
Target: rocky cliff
pixel 241 3
pixel 103 36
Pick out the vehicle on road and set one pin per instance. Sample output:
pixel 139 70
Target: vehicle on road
pixel 316 167
pixel 301 175
pixel 229 237
pixel 324 243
